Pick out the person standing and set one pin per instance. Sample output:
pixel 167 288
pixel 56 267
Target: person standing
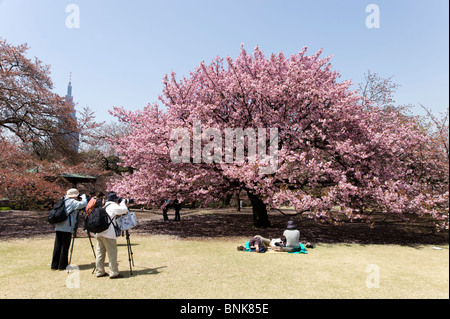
pixel 107 240
pixel 65 229
pixel 165 208
pixel 177 205
pixel 100 200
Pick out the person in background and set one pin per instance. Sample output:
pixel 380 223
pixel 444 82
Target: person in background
pixel 165 208
pixel 73 204
pixel 177 205
pixel 100 200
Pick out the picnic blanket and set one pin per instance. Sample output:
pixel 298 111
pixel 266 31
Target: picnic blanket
pixel 301 251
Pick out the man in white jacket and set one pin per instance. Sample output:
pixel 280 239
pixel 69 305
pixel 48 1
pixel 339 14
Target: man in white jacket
pixel 106 241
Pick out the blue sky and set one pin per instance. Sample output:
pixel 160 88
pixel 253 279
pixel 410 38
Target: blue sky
pixel 123 49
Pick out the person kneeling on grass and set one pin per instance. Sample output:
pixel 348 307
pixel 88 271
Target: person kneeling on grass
pixel 107 242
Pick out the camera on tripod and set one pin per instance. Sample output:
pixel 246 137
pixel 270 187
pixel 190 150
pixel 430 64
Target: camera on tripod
pixel 127 201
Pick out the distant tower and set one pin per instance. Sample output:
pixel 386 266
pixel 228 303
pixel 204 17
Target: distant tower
pixel 75 136
pixel 69 89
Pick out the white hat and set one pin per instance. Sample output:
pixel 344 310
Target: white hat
pixel 73 193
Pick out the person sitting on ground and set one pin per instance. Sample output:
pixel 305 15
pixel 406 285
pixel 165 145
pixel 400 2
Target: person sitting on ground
pixel 291 242
pixel 292 239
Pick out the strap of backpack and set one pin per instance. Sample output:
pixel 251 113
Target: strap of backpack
pixel 68 215
pixel 110 220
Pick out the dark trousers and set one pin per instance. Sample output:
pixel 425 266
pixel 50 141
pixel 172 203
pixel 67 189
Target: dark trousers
pixel 177 213
pixel 61 250
pixel 165 210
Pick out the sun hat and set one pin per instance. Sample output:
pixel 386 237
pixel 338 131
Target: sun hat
pixel 112 197
pixel 73 193
pixel 291 225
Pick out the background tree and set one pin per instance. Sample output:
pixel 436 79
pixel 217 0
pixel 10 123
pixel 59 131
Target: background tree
pixel 377 91
pixel 25 180
pixel 37 132
pixel 28 107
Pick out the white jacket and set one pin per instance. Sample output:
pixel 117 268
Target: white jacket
pixel 113 209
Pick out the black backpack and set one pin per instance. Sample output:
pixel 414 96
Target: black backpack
pixel 98 221
pixel 58 213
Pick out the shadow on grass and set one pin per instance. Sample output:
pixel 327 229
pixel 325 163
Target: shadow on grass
pixel 141 271
pixel 137 270
pixel 228 223
pixel 414 233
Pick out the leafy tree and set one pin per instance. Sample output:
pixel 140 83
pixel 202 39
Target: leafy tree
pixel 37 132
pixel 28 107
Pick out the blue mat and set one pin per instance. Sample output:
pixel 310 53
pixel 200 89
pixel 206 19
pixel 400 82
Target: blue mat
pixel 301 251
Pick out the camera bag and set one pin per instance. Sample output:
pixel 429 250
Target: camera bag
pixel 127 221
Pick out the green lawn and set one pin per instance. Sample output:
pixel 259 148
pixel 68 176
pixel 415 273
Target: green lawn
pixel 168 267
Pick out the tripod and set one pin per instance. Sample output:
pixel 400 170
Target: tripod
pixel 74 234
pixel 93 251
pixel 130 251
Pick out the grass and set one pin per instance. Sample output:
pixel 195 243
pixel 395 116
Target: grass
pixel 167 267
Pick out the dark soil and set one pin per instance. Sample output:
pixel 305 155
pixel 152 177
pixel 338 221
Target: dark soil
pixel 229 223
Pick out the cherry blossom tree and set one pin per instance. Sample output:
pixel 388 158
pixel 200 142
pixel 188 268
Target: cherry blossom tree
pixel 334 154
pixel 377 91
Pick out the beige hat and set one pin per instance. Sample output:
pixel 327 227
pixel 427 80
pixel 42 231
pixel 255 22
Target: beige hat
pixel 73 193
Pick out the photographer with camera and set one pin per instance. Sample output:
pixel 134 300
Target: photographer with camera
pixel 73 203
pixel 107 240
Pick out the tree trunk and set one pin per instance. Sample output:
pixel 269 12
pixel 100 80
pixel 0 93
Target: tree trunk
pixel 238 198
pixel 260 217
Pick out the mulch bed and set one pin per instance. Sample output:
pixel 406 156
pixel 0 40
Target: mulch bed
pixel 229 223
